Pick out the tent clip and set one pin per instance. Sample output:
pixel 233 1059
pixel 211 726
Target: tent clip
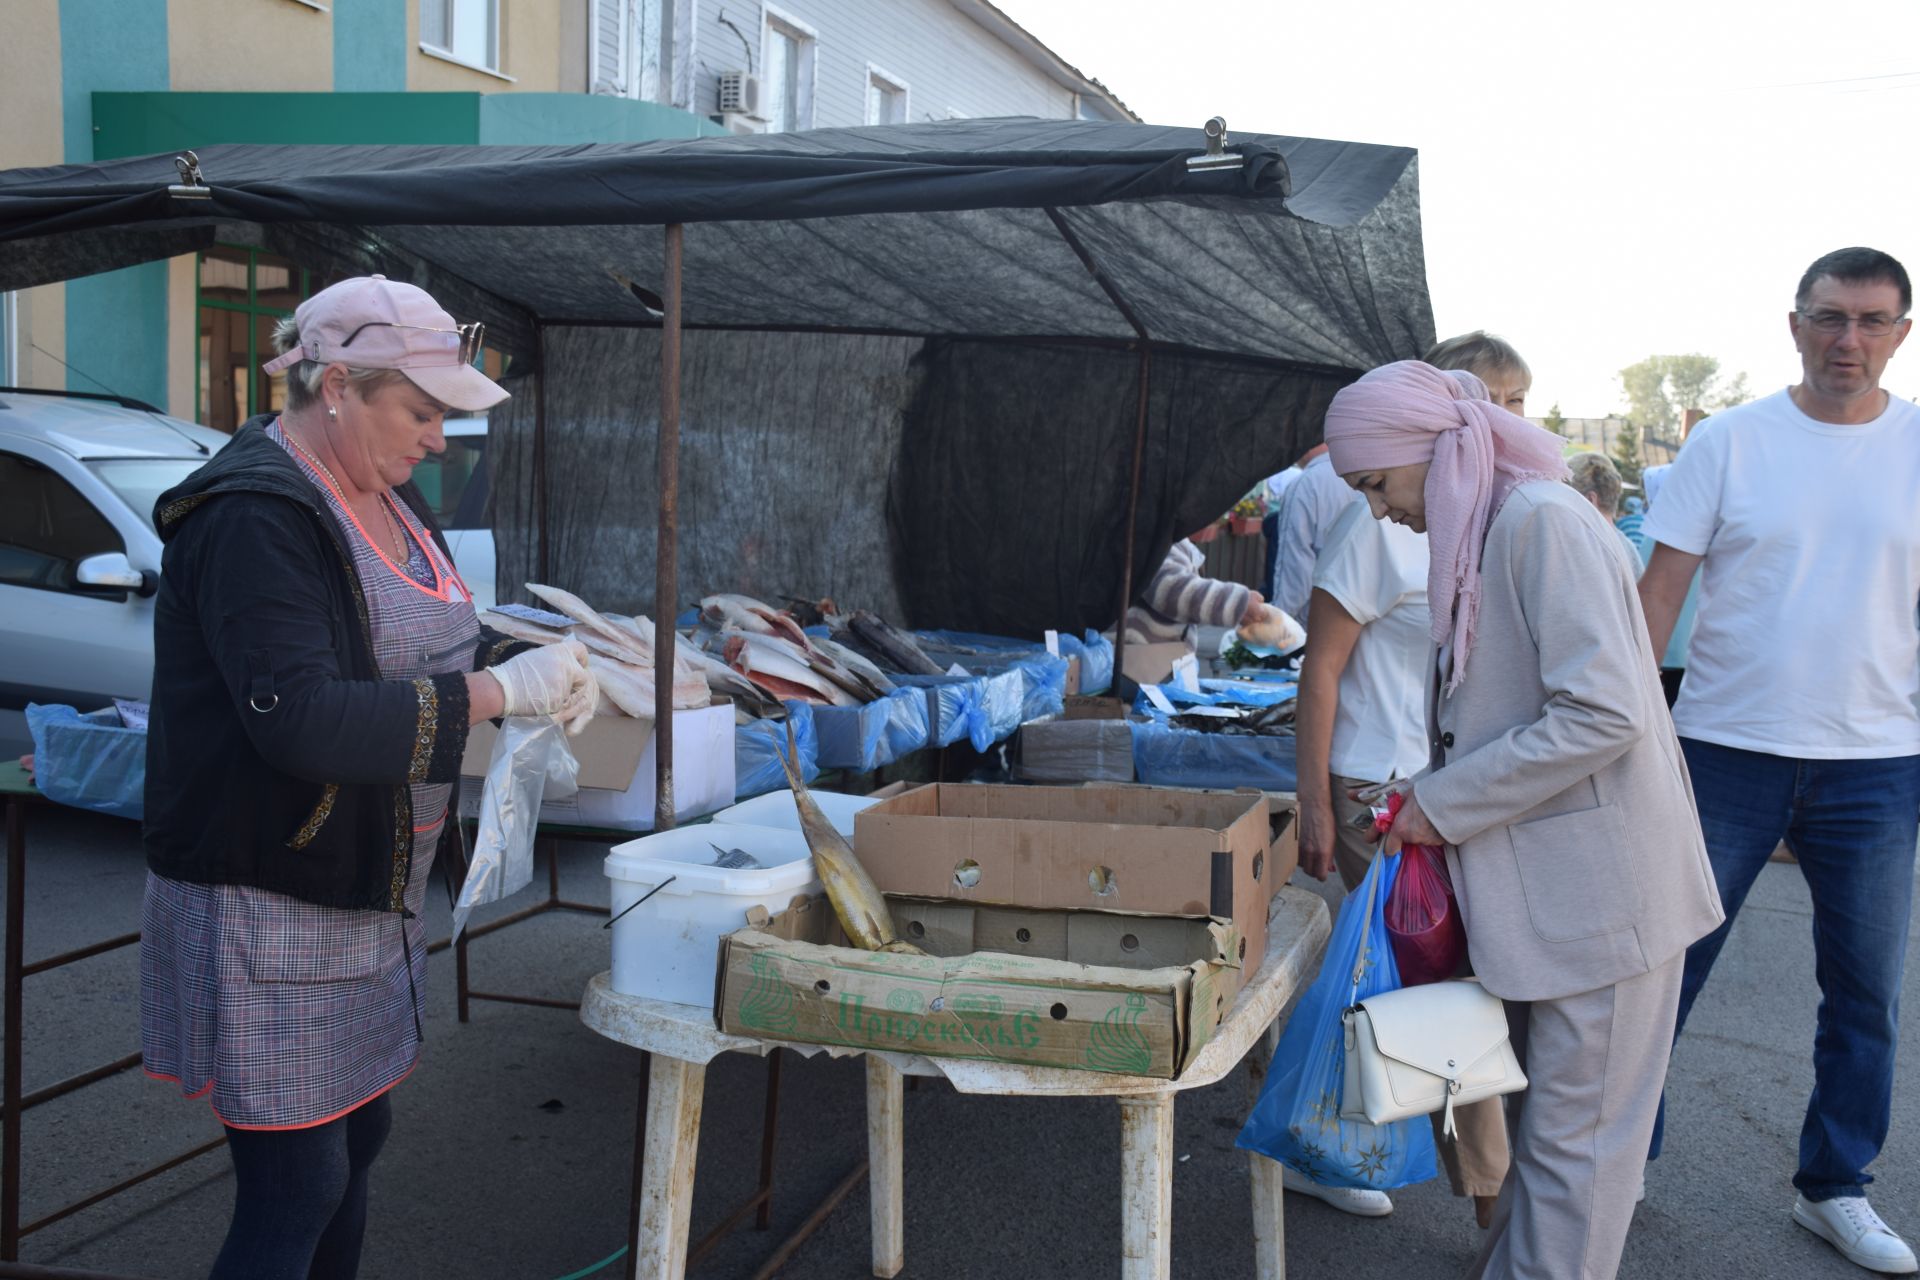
pixel 1216 155
pixel 190 186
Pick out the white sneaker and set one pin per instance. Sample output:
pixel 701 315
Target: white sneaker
pixel 1849 1224
pixel 1353 1200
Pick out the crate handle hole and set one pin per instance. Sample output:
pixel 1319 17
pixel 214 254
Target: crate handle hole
pixel 915 929
pixel 1259 864
pixel 1024 935
pixel 822 986
pixel 966 873
pixel 1100 880
pixel 1059 1012
pixel 1129 943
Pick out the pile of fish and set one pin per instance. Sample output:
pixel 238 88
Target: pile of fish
pixel 620 652
pixel 1250 722
pixel 768 647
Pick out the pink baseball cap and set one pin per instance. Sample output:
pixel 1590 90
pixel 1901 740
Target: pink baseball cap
pixel 371 322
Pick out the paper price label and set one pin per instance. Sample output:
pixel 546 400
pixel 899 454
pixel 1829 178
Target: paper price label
pixel 1053 643
pixel 1158 699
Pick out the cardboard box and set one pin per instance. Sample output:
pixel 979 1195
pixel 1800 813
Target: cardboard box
pixel 1105 848
pixel 616 755
pixel 1153 663
pixel 1087 990
pixel 1076 751
pixel 1093 707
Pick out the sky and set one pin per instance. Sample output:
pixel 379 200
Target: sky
pixel 1599 183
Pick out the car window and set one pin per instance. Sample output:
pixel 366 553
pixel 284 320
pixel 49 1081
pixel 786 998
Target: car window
pixel 454 484
pixel 141 481
pixel 46 527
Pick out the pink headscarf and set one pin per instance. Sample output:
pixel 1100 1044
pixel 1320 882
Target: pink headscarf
pixel 1409 412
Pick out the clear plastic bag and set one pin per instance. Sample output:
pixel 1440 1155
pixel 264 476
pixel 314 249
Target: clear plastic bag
pixel 1165 756
pixel 89 761
pixel 1423 920
pixel 531 762
pixel 1297 1119
pixel 879 733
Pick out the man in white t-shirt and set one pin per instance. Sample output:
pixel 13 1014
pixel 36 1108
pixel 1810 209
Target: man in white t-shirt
pixel 1800 715
pixel 1313 503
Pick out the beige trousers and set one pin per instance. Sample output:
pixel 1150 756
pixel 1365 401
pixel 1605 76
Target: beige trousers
pixel 1476 1162
pixel 1595 1065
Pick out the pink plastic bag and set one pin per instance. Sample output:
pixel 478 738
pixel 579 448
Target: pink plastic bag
pixel 1423 921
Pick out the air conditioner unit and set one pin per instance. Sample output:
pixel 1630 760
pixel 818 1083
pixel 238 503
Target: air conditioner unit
pixel 740 94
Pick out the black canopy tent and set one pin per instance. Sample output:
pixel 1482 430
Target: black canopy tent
pixel 1103 319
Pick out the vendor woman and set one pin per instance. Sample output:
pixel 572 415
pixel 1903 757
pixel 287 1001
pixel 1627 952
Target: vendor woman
pixel 317 664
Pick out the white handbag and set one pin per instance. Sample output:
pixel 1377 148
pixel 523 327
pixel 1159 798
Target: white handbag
pixel 1423 1049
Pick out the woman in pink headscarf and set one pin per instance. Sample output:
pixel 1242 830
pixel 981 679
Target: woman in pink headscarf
pixel 1557 787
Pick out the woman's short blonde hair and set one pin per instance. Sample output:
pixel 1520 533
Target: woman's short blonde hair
pixel 1595 475
pixel 1483 354
pixel 303 380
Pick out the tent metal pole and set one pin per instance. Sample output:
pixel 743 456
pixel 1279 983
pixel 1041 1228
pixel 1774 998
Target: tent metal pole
pixel 1133 511
pixel 666 585
pixel 542 568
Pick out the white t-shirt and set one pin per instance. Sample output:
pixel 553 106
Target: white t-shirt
pixel 1806 643
pixel 1378 573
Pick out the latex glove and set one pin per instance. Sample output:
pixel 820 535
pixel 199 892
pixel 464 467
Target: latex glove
pixel 552 680
pixel 1256 609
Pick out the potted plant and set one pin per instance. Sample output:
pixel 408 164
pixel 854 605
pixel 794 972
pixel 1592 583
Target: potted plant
pixel 1245 517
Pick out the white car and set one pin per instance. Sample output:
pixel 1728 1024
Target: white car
pixel 79 560
pixel 455 484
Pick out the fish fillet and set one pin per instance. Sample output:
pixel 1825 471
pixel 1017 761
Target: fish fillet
pixel 580 611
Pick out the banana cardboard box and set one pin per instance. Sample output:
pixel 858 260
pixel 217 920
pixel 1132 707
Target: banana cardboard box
pixel 1110 991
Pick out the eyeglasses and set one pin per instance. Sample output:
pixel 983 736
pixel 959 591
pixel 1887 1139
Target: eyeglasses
pixel 472 336
pixel 1876 325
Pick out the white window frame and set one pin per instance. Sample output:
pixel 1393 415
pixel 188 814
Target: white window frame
pixel 771 18
pixel 644 62
pixel 446 54
pixel 879 77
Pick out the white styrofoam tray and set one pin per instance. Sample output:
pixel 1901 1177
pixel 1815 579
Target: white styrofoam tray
pixel 777 809
pixel 665 948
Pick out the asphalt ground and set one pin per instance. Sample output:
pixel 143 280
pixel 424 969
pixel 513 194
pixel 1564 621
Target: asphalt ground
pixel 511 1151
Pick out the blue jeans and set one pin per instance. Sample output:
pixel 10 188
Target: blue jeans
pixel 1853 825
pixel 300 1197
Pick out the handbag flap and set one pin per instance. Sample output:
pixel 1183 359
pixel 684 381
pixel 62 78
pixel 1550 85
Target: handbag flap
pixel 1442 1028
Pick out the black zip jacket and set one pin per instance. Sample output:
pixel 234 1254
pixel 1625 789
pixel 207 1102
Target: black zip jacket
pixel 277 756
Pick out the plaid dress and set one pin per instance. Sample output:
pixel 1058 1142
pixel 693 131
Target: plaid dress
pixel 289 1014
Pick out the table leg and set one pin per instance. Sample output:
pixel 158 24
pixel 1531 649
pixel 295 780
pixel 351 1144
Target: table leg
pixel 11 1084
pixel 1269 1221
pixel 886 1151
pixel 1146 1185
pixel 675 1090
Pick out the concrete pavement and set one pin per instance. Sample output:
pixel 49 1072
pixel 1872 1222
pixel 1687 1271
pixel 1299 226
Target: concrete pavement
pixel 510 1156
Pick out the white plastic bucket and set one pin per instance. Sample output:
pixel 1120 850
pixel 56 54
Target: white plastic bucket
pixel 777 809
pixel 666 947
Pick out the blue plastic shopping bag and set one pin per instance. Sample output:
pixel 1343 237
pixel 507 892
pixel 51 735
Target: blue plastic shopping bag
pixel 1297 1119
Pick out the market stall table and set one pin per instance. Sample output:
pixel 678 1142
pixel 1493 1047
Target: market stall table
pixel 681 1040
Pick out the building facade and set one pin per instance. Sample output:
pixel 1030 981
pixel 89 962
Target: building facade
pixel 88 80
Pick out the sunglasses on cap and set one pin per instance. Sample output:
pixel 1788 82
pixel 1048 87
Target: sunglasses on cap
pixel 472 336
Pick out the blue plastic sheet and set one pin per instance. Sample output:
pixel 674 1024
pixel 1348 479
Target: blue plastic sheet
pixel 956 709
pixel 1215 693
pixel 1166 756
pixel 1045 675
pixel 89 761
pixel 1095 652
pixel 759 744
pixel 879 733
pixel 1297 1119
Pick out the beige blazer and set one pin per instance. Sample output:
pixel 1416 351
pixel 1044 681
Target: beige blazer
pixel 1557 780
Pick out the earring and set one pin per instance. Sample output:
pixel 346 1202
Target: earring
pixel 332 412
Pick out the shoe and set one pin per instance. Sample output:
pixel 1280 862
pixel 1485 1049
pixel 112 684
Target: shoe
pixel 1353 1200
pixel 1849 1224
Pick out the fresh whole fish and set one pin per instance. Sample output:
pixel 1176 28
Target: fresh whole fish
pixel 824 664
pixel 895 646
pixel 855 898
pixel 748 697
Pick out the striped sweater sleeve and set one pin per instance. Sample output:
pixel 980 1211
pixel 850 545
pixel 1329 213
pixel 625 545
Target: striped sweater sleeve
pixel 1181 592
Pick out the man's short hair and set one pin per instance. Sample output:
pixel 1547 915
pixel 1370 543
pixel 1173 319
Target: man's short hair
pixel 1595 474
pixel 1857 265
pixel 1480 353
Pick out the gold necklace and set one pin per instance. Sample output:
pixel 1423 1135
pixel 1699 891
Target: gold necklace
pixel 399 538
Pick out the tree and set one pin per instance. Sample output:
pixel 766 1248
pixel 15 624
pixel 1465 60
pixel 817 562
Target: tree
pixel 1660 388
pixel 1626 453
pixel 1554 421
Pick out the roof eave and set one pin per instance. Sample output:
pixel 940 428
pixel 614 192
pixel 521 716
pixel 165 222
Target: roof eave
pixel 1058 69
